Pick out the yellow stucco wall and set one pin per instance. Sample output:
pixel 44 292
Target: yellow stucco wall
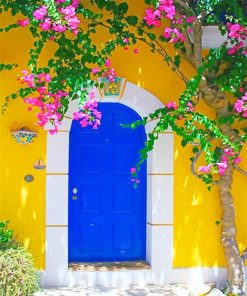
pixel 196 237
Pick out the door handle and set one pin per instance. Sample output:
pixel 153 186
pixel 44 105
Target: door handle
pixel 74 190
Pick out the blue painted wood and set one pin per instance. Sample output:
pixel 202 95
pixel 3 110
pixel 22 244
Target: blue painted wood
pixel 107 221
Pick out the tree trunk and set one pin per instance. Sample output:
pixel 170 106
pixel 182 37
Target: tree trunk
pixel 235 264
pixel 235 267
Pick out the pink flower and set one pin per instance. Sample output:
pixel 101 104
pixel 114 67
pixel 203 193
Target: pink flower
pixel 136 50
pixel 174 34
pixel 231 51
pixel 77 115
pixel 59 1
pixel 244 114
pixel 89 115
pixel 229 152
pixel 126 40
pixel 41 90
pixel 152 18
pixel 236 31
pixel 75 3
pixel 47 77
pixel 133 170
pixel 190 107
pixel 237 160
pixel 95 70
pixel 28 79
pixel 190 19
pixel 40 13
pixel 205 169
pixel 46 25
pixel 171 105
pixel 239 106
pixel 73 22
pixel 168 7
pixel 58 27
pixel 222 166
pixel 244 98
pixel 107 63
pixel 23 23
pixel 69 10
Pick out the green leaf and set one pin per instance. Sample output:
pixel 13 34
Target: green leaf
pixel 152 36
pixel 132 20
pixel 123 7
pixel 177 60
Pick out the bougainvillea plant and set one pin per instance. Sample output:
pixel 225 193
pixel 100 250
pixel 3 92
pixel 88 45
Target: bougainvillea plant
pixel 219 80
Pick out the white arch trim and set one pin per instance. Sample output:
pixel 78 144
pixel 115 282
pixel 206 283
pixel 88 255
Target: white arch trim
pixel 159 248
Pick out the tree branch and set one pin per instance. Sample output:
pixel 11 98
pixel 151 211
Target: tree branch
pixel 193 164
pixel 189 50
pixel 237 168
pixel 212 97
pixel 198 43
pixel 184 4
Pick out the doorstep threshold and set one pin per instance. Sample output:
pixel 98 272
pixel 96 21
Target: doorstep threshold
pixel 109 266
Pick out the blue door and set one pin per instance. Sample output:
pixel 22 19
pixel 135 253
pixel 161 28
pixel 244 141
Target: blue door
pixel 107 216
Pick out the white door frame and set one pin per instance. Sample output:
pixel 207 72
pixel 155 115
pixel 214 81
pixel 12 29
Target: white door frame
pixel 159 237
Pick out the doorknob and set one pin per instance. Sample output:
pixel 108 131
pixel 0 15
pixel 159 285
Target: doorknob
pixel 74 190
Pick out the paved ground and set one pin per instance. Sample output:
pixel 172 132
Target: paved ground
pixel 148 290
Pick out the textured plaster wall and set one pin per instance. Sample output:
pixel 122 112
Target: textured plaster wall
pixel 196 237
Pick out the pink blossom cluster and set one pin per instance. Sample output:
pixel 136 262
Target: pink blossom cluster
pixel 175 35
pixel 228 154
pixel 89 114
pixel 109 73
pixel 221 166
pixel 134 180
pixel 28 79
pixel 23 23
pixel 236 47
pixel 240 106
pixel 184 18
pixel 238 33
pixel 68 18
pixel 48 103
pixel 165 8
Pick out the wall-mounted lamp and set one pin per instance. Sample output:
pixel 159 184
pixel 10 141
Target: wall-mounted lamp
pixel 114 88
pixel 24 135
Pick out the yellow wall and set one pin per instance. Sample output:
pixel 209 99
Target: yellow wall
pixel 196 237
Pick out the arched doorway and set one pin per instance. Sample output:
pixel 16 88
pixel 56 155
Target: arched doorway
pixel 107 216
pixel 159 218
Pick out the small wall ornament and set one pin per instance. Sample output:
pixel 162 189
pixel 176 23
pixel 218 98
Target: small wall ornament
pixel 29 178
pixel 24 135
pixel 39 165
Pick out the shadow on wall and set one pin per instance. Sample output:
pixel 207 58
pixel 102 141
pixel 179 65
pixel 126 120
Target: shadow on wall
pixel 196 233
